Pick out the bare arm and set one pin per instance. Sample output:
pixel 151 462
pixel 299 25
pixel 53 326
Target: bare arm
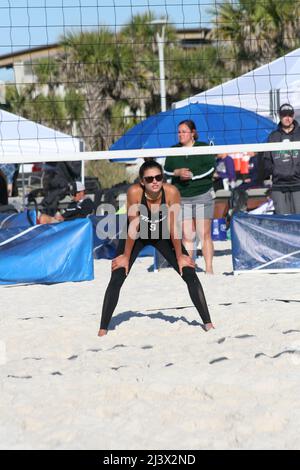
pixel 133 200
pixel 175 231
pixel 174 211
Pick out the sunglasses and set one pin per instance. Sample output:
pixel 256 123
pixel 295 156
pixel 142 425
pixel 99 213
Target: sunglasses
pixel 150 179
pixel 286 113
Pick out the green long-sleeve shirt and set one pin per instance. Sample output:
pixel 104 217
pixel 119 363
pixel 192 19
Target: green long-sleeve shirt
pixel 202 167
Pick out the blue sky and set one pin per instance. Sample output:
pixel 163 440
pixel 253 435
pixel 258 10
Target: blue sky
pixel 31 23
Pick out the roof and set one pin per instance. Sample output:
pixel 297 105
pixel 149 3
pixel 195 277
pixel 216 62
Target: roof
pixel 8 60
pixel 256 90
pixel 19 135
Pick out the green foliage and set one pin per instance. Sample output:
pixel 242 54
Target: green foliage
pixel 47 72
pixel 192 72
pixel 256 32
pixel 122 119
pixel 18 102
pixel 108 173
pixel 49 111
pixel 74 104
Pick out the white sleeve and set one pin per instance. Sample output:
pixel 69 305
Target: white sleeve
pixel 198 177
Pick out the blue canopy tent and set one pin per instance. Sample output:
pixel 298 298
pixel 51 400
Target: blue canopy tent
pixel 219 125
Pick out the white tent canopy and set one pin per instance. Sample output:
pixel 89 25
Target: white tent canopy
pixel 19 135
pixel 262 90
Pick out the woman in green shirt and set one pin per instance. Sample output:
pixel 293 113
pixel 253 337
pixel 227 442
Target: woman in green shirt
pixel 192 176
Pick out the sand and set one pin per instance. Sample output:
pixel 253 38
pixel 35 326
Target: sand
pixel 157 380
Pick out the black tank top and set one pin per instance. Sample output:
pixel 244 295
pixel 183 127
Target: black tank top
pixel 154 225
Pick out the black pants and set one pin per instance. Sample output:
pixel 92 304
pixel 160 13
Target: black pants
pixel 166 248
pixel 56 188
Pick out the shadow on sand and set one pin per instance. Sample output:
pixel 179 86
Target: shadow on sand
pixel 126 316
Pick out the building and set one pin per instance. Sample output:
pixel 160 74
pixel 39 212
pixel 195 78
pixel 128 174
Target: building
pixel 21 62
pixel 193 37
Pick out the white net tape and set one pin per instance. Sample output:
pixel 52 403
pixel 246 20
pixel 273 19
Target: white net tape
pixel 90 70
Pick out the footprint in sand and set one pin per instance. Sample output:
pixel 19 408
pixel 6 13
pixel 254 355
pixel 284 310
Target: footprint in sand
pixel 117 368
pixel 32 318
pixel 20 376
pixel 221 340
pixel 118 346
pixel 290 331
pixel 288 351
pixel 71 358
pixel 219 359
pixel 32 359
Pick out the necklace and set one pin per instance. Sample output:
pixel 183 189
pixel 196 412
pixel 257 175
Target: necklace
pixel 152 198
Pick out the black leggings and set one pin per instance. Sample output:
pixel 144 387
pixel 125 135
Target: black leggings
pixel 118 276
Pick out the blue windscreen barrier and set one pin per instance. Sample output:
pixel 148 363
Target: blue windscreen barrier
pixel 218 230
pixel 269 243
pixel 216 124
pixel 107 230
pixel 20 219
pixel 48 253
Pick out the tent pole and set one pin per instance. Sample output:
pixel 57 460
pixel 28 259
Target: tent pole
pixel 81 149
pixel 82 171
pixel 23 188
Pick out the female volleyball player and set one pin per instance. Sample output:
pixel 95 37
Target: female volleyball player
pixel 153 209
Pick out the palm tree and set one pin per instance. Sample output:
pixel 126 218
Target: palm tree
pixel 279 27
pixel 87 66
pixel 192 71
pixel 74 105
pixel 110 80
pixel 104 68
pixel 235 30
pixel 255 32
pixel 47 104
pixel 17 99
pixel 139 35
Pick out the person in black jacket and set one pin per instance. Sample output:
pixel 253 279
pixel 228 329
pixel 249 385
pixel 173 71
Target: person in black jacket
pixel 57 178
pixel 80 207
pixel 284 165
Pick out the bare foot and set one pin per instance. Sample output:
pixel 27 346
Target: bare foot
pixel 102 332
pixel 209 326
pixel 209 272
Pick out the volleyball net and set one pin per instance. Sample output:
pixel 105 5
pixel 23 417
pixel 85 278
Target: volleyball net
pixel 94 72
